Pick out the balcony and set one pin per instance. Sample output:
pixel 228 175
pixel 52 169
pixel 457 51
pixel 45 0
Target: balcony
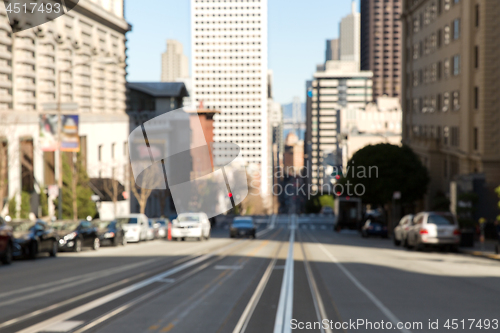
pixel 6 98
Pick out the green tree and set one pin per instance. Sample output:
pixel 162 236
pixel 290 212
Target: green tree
pixel 383 169
pixel 25 204
pixel 318 201
pixel 44 202
pixel 85 205
pixel 13 207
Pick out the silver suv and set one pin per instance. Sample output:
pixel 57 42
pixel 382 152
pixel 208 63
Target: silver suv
pixel 436 229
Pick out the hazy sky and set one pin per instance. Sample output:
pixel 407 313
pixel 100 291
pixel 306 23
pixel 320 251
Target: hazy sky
pixel 297 33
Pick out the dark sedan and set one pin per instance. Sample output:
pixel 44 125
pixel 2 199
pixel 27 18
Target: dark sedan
pixel 242 226
pixel 374 227
pixel 76 235
pixel 31 238
pixel 6 242
pixel 111 233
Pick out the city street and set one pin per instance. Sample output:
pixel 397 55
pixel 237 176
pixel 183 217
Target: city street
pixel 246 285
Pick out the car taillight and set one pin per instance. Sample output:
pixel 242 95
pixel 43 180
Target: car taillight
pixel 424 231
pixel 456 232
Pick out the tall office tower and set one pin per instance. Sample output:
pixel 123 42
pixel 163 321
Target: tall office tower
pixel 381 45
pixel 174 64
pixel 450 89
pixel 332 49
pixel 229 57
pixel 350 42
pixel 340 87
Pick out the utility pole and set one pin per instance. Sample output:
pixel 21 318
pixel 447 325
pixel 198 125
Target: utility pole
pixel 59 142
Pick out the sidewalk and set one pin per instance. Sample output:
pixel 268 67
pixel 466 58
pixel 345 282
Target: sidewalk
pixel 486 250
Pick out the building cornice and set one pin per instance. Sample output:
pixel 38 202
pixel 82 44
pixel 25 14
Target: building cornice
pixel 98 14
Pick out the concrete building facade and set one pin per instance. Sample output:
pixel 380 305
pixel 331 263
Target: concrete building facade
pixel 229 59
pixel 381 45
pixel 451 115
pixel 350 36
pixel 174 63
pixel 332 50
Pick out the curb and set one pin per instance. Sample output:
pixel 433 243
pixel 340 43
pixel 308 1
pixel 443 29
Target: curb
pixel 480 254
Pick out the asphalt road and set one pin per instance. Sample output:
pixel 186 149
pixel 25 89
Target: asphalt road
pixel 297 273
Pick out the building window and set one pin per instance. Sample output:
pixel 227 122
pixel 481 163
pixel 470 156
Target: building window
pixel 476 57
pixel 446 102
pixel 112 150
pixel 125 148
pixel 446 34
pixel 456 29
pixel 415 105
pixel 456 64
pixel 99 153
pixel 447 4
pixel 446 135
pixel 476 98
pixel 476 138
pixel 455 138
pixel 477 15
pixel 456 100
pixel 446 68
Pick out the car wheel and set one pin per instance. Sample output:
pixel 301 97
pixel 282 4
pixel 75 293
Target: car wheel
pixel 96 244
pixel 208 236
pixel 78 245
pixel 53 252
pixel 231 236
pixel 200 238
pixel 33 250
pixel 183 239
pixel 397 242
pixel 7 257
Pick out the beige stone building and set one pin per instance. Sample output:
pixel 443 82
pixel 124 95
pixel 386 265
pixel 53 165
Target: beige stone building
pixel 174 63
pixel 451 99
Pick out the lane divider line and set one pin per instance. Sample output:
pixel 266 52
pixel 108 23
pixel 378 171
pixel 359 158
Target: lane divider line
pixel 285 304
pixel 391 316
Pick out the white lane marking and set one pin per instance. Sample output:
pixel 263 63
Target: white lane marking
pixel 254 300
pixel 392 317
pixel 64 326
pixel 119 293
pixel 226 267
pixel 285 304
pixel 167 280
pixel 273 221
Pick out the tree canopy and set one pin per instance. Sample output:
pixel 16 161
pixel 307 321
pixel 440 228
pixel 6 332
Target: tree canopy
pixel 383 169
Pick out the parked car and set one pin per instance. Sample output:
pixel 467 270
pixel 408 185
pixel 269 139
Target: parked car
pixel 374 227
pixel 31 238
pixel 76 235
pixel 6 242
pixel 191 225
pixel 401 230
pixel 434 229
pixel 162 226
pixel 152 231
pixel 242 226
pixel 111 233
pixel 136 227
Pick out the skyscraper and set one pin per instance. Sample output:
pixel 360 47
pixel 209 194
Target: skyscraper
pixel 229 57
pixel 174 64
pixel 350 36
pixel 332 49
pixel 381 45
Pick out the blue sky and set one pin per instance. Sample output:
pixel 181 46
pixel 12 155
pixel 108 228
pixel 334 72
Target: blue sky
pixel 297 33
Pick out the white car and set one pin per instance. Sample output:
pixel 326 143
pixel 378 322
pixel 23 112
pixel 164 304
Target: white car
pixel 191 225
pixel 401 230
pixel 135 226
pixel 436 229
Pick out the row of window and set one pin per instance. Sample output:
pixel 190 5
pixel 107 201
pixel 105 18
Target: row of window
pixel 433 42
pixel 215 58
pixel 450 135
pixel 219 1
pixel 219 8
pixel 437 71
pixel 229 78
pixel 448 101
pixel 228 64
pixel 430 14
pixel 113 149
pixel 226 85
pixel 230 50
pixel 224 15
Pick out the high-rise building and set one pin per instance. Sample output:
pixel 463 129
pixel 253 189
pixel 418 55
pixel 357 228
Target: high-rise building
pixel 450 89
pixel 340 87
pixel 174 64
pixel 332 49
pixel 229 59
pixel 79 59
pixel 349 40
pixel 381 45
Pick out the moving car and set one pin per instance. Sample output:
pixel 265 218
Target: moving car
pixel 242 226
pixel 31 238
pixel 111 233
pixel 193 225
pixel 136 227
pixel 401 230
pixel 374 227
pixel 152 231
pixel 6 242
pixel 434 229
pixel 76 235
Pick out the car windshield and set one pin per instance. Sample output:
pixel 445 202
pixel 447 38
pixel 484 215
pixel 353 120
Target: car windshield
pixel 189 218
pixel 242 221
pixel 127 220
pixel 441 219
pixel 65 226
